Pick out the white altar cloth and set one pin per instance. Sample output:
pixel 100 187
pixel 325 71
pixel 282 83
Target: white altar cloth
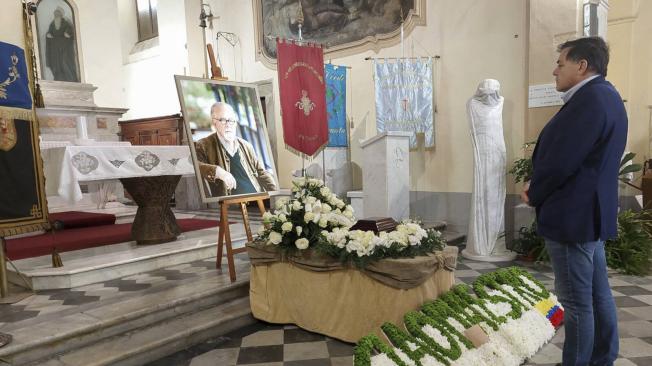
pixel 96 163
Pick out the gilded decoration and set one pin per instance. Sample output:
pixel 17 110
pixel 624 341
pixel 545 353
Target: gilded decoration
pixel 8 135
pixel 305 104
pixel 12 76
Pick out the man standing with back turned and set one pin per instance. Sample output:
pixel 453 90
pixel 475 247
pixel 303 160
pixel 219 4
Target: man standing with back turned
pixel 574 188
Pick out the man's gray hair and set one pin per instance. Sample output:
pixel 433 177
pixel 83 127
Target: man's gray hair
pixel 226 106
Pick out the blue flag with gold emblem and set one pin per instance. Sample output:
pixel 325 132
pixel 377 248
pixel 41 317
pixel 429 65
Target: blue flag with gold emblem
pixel 336 105
pixel 23 206
pixel 14 81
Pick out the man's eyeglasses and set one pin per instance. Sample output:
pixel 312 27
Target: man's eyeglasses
pixel 225 121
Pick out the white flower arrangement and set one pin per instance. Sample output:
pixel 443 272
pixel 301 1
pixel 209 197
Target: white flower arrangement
pixel 523 325
pixel 365 243
pixel 315 217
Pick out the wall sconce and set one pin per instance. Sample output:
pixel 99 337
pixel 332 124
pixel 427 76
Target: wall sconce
pixel 203 15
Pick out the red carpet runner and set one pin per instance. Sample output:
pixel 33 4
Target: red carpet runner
pixel 85 237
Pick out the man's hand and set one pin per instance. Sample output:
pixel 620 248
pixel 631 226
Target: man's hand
pixel 226 177
pixel 524 196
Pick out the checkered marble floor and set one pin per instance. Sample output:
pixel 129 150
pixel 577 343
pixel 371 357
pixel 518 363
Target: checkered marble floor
pixel 50 304
pixel 265 344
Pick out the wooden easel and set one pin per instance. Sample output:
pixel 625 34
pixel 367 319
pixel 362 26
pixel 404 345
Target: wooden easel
pixel 224 234
pixel 216 71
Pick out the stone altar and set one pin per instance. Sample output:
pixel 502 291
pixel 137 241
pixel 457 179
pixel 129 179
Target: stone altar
pixel 71 117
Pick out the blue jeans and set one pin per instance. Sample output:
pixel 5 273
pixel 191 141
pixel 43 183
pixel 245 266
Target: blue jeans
pixel 582 286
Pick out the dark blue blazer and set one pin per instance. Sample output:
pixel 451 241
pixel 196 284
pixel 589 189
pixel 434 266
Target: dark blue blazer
pixel 574 186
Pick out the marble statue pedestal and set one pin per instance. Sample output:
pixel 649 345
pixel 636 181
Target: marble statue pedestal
pixel 503 255
pixel 385 175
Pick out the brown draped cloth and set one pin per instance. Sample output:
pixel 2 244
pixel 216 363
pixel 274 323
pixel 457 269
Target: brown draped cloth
pixel 321 295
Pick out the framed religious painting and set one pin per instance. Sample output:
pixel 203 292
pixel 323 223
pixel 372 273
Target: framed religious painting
pixel 56 37
pixel 227 136
pixel 344 27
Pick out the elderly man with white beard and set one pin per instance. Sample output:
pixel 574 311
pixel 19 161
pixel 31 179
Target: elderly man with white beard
pixel 228 163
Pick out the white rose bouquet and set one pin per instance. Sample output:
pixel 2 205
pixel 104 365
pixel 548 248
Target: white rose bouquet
pixel 314 217
pixel 408 240
pixel 298 222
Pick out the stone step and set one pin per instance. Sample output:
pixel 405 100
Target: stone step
pixel 44 340
pixel 99 264
pixel 148 344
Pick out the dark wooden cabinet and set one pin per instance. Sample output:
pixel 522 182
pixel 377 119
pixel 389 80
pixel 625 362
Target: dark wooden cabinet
pixel 164 130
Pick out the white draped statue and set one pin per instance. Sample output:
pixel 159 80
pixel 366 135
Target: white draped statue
pixel 486 223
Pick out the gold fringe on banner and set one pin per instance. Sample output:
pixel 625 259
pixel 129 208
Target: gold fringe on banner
pixel 24 229
pixel 30 56
pixel 303 155
pixel 17 113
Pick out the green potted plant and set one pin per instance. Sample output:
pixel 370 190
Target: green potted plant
pixel 522 168
pixel 629 253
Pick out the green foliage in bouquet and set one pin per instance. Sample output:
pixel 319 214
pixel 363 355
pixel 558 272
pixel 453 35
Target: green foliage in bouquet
pixel 298 223
pixel 316 218
pixel 630 251
pixel 364 247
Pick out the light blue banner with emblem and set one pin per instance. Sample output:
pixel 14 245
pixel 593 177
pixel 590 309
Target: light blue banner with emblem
pixel 336 105
pixel 404 97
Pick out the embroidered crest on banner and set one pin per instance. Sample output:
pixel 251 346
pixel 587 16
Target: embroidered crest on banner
pixel 117 163
pixel 305 104
pixel 147 160
pixel 8 135
pixel 11 76
pixel 84 163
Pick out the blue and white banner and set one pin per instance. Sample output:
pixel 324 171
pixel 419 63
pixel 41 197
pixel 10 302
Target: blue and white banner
pixel 404 93
pixel 336 105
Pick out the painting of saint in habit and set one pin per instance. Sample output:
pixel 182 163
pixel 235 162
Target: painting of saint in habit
pixel 55 23
pixel 333 22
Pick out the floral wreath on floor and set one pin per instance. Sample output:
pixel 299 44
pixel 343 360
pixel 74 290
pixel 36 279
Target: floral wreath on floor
pixel 316 218
pixel 515 311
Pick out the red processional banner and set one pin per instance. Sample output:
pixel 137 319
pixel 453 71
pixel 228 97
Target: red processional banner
pixel 303 96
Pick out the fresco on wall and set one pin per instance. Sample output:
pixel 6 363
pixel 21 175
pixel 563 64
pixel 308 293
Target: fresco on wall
pixel 334 23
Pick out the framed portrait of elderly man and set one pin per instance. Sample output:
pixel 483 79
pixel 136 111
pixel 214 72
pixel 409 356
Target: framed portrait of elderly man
pixel 228 138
